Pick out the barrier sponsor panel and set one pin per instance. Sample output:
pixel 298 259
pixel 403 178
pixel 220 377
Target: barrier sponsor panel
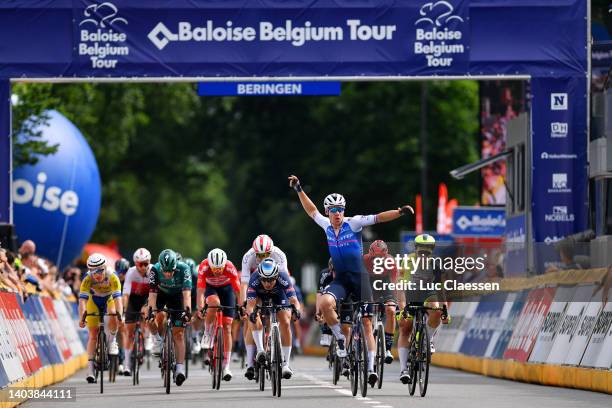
pixel 60 338
pixel 513 308
pixel 599 350
pixel 9 355
pixel 25 342
pixel 68 327
pixel 529 323
pixel 446 337
pixel 552 325
pixel 483 324
pixel 569 332
pixel 47 344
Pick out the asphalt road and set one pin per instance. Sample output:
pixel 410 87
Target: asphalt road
pixel 311 387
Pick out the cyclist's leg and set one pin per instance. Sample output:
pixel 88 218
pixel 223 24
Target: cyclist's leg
pixel 403 342
pixel 211 297
pixel 433 316
pixel 227 298
pixel 92 326
pixel 389 322
pixel 257 331
pixel 157 326
pixel 361 289
pixel 332 295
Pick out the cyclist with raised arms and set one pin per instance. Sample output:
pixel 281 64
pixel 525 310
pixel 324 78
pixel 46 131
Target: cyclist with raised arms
pixel 170 286
pixel 135 295
pixel 100 294
pixel 263 247
pixel 218 285
pixel 379 252
pixel 271 284
pixel 424 245
pixel 346 250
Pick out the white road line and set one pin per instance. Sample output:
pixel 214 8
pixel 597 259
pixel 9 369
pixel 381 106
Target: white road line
pixel 366 400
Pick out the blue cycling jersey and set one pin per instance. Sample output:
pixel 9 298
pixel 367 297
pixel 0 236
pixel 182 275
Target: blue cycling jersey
pixel 283 288
pixel 346 248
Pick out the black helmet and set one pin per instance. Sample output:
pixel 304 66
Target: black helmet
pixel 121 266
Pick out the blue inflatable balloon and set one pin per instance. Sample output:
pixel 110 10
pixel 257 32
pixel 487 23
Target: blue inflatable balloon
pixel 56 202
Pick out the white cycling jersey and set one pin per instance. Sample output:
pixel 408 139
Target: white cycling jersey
pixel 250 262
pixel 135 283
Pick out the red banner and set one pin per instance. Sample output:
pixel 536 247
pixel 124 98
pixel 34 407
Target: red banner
pixel 529 323
pixel 21 335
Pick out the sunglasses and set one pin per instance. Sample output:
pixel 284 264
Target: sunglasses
pixel 216 270
pixel 168 272
pixel 97 271
pixel 263 255
pixel 268 280
pixel 142 264
pixel 335 210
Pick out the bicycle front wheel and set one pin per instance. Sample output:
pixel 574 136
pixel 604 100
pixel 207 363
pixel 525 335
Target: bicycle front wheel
pixel 363 375
pixel 380 356
pixel 424 359
pixel 134 357
pixel 101 358
pixel 218 358
pixel 353 356
pixel 277 362
pixel 167 363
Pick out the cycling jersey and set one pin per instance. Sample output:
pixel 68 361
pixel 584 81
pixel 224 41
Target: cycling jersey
pixel 229 276
pixel 109 286
pixel 381 273
pixel 280 292
pixel 250 262
pixel 180 280
pixel 346 248
pixel 325 278
pixel 135 283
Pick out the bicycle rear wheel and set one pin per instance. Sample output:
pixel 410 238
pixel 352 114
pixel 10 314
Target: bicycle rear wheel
pixel 134 356
pixel 101 358
pixel 380 355
pixel 424 359
pixel 334 362
pixel 353 357
pixel 262 376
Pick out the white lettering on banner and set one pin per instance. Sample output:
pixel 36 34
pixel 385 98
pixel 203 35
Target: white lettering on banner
pixel 559 183
pixel 103 42
pixel 559 214
pixel 9 356
pixel 597 353
pixel 556 156
pixel 558 129
pixel 269 89
pixel 49 198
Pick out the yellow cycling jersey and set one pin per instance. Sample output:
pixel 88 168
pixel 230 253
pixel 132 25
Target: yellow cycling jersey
pixel 109 286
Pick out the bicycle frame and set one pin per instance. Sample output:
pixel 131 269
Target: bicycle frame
pixel 101 349
pixel 272 339
pixel 216 353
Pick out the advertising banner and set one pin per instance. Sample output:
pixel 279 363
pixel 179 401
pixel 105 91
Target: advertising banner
pixel 572 332
pixel 529 323
pixel 552 324
pixel 11 309
pixel 484 322
pixel 560 178
pixel 515 261
pixel 479 221
pixel 6 149
pixel 10 357
pixel 447 333
pixel 468 311
pixel 598 352
pixel 35 329
pixel 68 327
pixel 48 343
pixel 58 333
pixel 517 303
pixel 499 324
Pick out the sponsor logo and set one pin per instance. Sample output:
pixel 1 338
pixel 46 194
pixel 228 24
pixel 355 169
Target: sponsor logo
pixel 49 198
pixel 433 38
pixel 550 240
pixel 558 101
pixel 558 129
pixel 556 156
pixel 478 222
pixel 559 214
pixel 161 35
pixel 559 184
pixel 99 38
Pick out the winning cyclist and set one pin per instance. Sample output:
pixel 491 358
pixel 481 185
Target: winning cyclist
pixel 100 294
pixel 135 295
pixel 376 255
pixel 263 247
pixel 424 245
pixel 346 249
pixel 170 286
pixel 270 284
pixel 218 285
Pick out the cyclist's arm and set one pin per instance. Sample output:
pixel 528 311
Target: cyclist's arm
pixel 307 204
pixel 187 298
pixel 116 288
pixel 84 295
pixel 153 284
pixel 127 289
pixel 295 302
pixel 250 306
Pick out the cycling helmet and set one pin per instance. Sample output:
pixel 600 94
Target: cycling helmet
pixel 96 261
pixel 334 200
pixel 122 265
pixel 142 255
pixel 217 258
pixel 268 269
pixel 425 241
pixel 167 260
pixel 192 265
pixel 179 256
pixel 263 244
pixel 378 248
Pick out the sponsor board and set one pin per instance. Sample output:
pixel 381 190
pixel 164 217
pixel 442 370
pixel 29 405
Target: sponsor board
pixel 485 321
pixel 479 221
pixel 505 334
pixel 598 352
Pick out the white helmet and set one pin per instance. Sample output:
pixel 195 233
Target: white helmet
pixel 334 200
pixel 263 244
pixel 96 260
pixel 142 255
pixel 268 269
pixel 217 258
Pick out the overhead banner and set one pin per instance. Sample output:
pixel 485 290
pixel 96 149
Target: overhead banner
pixel 250 38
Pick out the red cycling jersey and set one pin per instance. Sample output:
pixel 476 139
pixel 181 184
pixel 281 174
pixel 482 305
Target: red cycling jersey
pixel 391 273
pixel 228 276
